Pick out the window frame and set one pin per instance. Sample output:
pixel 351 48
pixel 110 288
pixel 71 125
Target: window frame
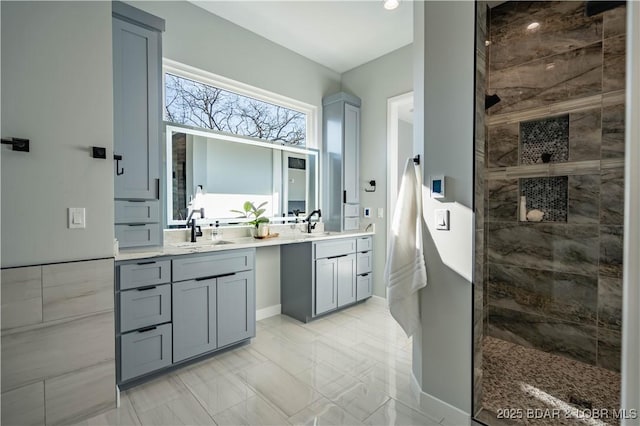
pixel 312 140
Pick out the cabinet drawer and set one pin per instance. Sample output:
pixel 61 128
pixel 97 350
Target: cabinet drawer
pixel 145 306
pixel 333 248
pixel 352 210
pixel 144 273
pixel 364 286
pixel 144 351
pixel 212 265
pixel 364 263
pixel 138 235
pixel 351 223
pixel 364 244
pixel 137 211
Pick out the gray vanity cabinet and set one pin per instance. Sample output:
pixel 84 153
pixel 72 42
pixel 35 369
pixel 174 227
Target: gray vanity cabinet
pixel 346 279
pixel 213 301
pixel 341 147
pixel 364 268
pixel 236 308
pixel 326 285
pixel 318 277
pixel 137 77
pixel 172 309
pixel 194 318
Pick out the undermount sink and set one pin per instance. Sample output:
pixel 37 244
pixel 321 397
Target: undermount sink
pixel 220 242
pixel 200 245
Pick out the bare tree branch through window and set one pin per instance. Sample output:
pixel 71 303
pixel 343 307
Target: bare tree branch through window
pixel 197 104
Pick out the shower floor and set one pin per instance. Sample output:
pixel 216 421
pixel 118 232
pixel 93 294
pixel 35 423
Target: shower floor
pixel 526 386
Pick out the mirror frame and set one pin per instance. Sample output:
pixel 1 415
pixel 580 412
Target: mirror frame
pixel 170 128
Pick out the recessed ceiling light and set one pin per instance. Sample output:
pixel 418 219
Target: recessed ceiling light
pixel 391 4
pixel 534 26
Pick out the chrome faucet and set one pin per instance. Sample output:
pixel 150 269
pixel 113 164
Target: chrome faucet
pixel 308 220
pixel 196 231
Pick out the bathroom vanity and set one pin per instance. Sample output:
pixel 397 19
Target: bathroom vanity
pixel 187 301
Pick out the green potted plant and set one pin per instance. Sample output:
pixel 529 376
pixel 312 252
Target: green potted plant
pixel 258 221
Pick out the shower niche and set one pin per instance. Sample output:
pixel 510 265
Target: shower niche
pixel 544 199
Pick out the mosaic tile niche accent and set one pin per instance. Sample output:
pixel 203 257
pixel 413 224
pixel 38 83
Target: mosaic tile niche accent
pixel 548 138
pixel 548 194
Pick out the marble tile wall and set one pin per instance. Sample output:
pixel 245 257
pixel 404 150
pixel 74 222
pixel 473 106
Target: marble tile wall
pixel 557 286
pixel 479 201
pixel 58 355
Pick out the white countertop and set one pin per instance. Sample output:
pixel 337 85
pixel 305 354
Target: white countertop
pixel 205 245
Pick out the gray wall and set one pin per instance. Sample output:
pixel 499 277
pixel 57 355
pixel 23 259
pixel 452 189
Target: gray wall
pixel 206 41
pixel 375 82
pixel 444 121
pixel 57 91
pixel 267 277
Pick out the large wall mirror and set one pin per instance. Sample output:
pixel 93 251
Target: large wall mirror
pixel 231 170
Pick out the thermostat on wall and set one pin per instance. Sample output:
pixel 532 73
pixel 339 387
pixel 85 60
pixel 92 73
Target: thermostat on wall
pixel 437 186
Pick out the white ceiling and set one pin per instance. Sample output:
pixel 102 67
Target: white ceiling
pixel 340 35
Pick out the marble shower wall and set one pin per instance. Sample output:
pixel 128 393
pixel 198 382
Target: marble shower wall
pixel 479 317
pixel 556 286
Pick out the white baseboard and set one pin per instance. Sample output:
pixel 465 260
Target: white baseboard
pixel 446 413
pixel 267 312
pixel 379 298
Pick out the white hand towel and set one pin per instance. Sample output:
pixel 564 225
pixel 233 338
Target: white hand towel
pixel 405 272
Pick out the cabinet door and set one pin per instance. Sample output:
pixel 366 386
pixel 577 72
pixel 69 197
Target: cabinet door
pixel 136 100
pixel 326 285
pixel 346 280
pixel 194 318
pixel 351 170
pixel 236 308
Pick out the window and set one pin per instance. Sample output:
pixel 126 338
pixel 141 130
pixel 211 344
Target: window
pixel 193 102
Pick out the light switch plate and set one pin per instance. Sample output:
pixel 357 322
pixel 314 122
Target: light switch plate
pixel 380 213
pixel 76 219
pixel 442 219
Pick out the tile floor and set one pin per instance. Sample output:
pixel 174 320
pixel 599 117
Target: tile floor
pixel 349 368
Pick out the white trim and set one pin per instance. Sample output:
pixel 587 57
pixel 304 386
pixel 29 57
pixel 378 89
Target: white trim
pixel 117 396
pixel 269 311
pixel 393 105
pixel 197 74
pixel 444 413
pixel 630 399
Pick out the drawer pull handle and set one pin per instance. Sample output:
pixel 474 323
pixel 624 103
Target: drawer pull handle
pixel 365 275
pixel 335 257
pixel 136 201
pixel 151 287
pixel 215 276
pixel 150 262
pixel 144 330
pixel 136 224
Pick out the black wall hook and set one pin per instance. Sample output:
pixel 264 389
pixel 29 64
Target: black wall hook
pixel 416 160
pixel 119 171
pixel 17 144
